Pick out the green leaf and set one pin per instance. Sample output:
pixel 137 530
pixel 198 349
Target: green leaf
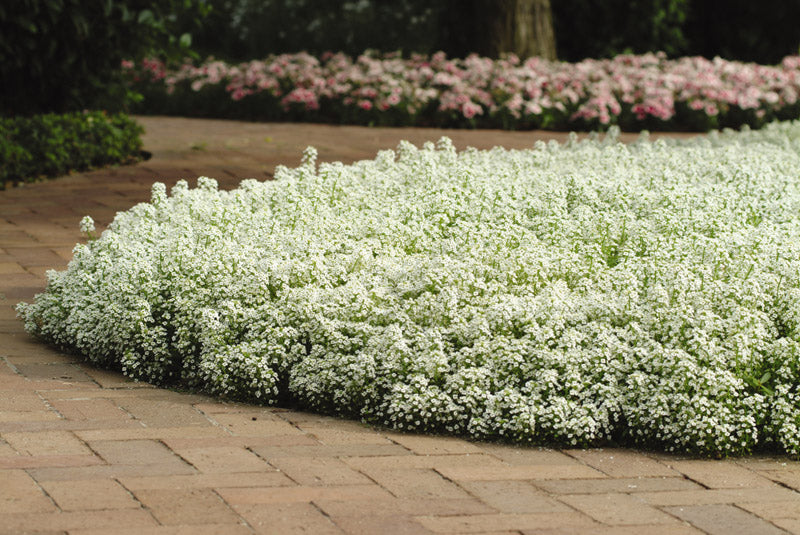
pixel 185 40
pixel 81 25
pixel 145 17
pixel 28 25
pixel 55 7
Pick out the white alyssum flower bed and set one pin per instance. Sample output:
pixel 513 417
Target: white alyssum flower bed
pixel 647 294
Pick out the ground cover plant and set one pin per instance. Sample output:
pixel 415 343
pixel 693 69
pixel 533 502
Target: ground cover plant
pixel 634 92
pixel 54 144
pixel 582 294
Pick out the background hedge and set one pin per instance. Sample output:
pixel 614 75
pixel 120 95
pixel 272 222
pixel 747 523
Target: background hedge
pixel 65 55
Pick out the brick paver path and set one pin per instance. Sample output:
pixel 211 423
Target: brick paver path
pixel 85 451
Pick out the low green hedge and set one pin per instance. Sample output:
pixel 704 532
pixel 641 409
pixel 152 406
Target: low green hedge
pixel 55 144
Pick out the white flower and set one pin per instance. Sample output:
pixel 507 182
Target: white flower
pixel 87 225
pixel 648 293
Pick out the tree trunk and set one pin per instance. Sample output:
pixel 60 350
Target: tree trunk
pixel 521 27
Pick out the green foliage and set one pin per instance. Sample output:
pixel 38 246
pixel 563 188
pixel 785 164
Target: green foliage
pixel 589 29
pixel 52 145
pixel 64 55
pixel 765 31
pixel 247 29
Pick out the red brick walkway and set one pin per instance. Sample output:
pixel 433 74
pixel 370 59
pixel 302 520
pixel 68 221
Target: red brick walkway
pixel 85 451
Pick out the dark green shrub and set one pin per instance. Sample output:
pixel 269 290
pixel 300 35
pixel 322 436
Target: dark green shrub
pixel 65 55
pixel 743 30
pixel 590 29
pixel 52 145
pixel 247 29
pixel 764 31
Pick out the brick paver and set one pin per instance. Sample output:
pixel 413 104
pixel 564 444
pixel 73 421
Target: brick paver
pixel 224 459
pixel 186 506
pixel 19 493
pixel 89 495
pixel 323 471
pixel 724 520
pixel 514 497
pixel 60 521
pixel 86 451
pixel 295 493
pixel 578 522
pixel 621 463
pixel 618 509
pixel 288 519
pixel 716 476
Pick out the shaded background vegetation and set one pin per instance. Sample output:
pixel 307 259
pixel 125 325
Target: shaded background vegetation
pixel 763 31
pixel 62 55
pixel 65 55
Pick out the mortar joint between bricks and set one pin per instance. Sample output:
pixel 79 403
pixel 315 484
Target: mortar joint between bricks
pixel 242 520
pixel 214 422
pixel 10 365
pixel 52 408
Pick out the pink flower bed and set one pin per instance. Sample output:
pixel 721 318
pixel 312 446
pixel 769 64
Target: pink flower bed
pixel 644 91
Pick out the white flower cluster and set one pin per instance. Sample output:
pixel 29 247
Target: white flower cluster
pixel 645 294
pixel 87 225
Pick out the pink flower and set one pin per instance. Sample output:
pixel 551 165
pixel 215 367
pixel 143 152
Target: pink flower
pixel 470 110
pixel 649 85
pixel 238 94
